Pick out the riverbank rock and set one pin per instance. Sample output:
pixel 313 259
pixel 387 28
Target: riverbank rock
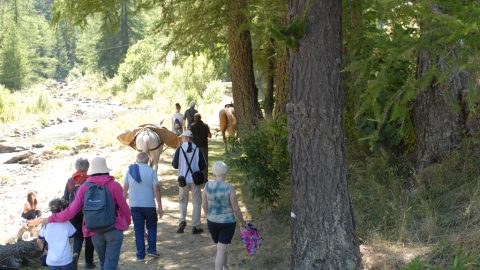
pixel 18 158
pixel 7 148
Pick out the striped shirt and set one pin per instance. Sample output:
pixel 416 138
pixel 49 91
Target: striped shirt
pixel 219 207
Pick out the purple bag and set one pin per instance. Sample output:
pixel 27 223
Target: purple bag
pixel 251 238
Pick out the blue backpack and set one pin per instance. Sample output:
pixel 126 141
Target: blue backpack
pixel 98 208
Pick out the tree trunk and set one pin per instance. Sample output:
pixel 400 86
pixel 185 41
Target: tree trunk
pixel 439 112
pixel 281 82
pixel 270 80
pixel 322 229
pixel 244 90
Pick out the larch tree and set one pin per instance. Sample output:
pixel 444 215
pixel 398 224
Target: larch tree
pixel 322 225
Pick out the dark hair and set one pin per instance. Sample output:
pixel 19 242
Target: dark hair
pixel 57 205
pixel 189 149
pixel 33 202
pixel 178 105
pixel 197 117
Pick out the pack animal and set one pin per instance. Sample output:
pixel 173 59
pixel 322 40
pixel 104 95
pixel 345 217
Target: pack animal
pixel 149 142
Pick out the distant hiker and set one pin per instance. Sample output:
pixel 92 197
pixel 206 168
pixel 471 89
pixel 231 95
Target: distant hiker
pixel 71 189
pixel 30 210
pixel 201 133
pixel 189 114
pixel 220 204
pixel 56 235
pixel 177 120
pixel 101 200
pixel 189 161
pixel 142 188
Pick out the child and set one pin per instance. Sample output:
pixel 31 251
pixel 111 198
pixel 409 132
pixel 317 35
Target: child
pixel 57 236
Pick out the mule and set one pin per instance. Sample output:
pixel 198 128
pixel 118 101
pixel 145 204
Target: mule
pixel 149 142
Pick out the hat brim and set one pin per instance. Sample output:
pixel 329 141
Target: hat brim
pixel 102 170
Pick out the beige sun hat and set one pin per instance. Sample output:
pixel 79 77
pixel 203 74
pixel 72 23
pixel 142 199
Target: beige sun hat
pixel 186 133
pixel 98 165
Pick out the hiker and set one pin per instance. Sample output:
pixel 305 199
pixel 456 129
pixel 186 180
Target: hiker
pixel 220 204
pixel 142 188
pixel 107 240
pixel 201 133
pixel 71 189
pixel 29 212
pixel 56 235
pixel 177 120
pixel 188 160
pixel 189 114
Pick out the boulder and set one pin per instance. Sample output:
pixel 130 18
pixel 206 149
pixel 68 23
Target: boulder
pixel 7 148
pixel 18 158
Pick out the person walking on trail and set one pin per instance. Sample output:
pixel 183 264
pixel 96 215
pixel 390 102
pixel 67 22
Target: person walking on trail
pixel 142 188
pixel 188 159
pixel 189 114
pixel 57 236
pixel 220 204
pixel 177 120
pixel 201 133
pixel 108 241
pixel 71 188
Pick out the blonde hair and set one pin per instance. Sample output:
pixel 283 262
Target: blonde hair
pixel 219 168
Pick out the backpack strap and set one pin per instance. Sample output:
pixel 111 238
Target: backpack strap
pixel 189 163
pixel 71 182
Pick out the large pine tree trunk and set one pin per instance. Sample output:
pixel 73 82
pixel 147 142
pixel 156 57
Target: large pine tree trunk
pixel 322 229
pixel 439 112
pixel 244 90
pixel 281 82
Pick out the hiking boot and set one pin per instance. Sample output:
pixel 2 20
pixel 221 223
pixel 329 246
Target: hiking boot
pixel 181 227
pixel 75 261
pixel 90 265
pixel 197 230
pixel 154 255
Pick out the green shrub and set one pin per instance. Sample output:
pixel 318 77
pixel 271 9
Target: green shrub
pixel 265 161
pixel 214 92
pixel 145 88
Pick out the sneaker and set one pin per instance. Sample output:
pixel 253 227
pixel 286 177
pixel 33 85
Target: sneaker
pixel 140 260
pixel 181 227
pixel 154 255
pixel 75 261
pixel 90 265
pixel 197 230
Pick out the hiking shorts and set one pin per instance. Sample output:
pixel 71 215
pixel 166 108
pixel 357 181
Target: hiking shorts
pixel 221 232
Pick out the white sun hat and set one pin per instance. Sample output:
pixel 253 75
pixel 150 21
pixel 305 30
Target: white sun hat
pixel 186 133
pixel 98 165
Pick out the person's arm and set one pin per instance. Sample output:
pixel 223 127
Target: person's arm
pixel 66 192
pixel 121 202
pixel 235 207
pixel 209 133
pixel 125 189
pixel 204 202
pixel 158 197
pixel 176 158
pixel 202 163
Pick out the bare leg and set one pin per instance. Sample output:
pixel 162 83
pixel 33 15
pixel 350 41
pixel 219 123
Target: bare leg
pixel 221 259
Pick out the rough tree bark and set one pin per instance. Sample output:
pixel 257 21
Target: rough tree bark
pixel 244 90
pixel 322 229
pixel 281 82
pixel 439 112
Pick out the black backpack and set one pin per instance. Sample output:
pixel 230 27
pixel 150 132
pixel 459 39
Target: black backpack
pixel 99 211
